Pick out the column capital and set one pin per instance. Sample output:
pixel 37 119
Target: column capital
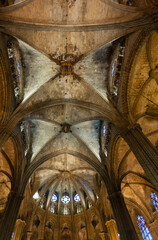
pixel 112 229
pixel 20 221
pixel 102 235
pixel 18 229
pixel 109 222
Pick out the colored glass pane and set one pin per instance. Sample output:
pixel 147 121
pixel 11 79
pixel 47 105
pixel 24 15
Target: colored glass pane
pixel 77 198
pixel 65 199
pixel 154 199
pixel 146 235
pixel 54 198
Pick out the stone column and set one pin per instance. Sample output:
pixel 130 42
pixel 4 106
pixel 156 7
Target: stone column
pixel 122 217
pixel 10 214
pixel 145 152
pixel 5 132
pixel 102 235
pixel 112 229
pixel 28 235
pixel 42 226
pixel 18 229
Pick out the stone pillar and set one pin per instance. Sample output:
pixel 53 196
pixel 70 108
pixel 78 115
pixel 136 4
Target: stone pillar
pixel 122 217
pixel 28 235
pixel 102 235
pixel 10 214
pixel 41 227
pixel 112 229
pixel 18 229
pixel 145 152
pixel 5 133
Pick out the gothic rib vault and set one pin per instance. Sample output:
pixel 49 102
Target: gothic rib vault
pixel 76 79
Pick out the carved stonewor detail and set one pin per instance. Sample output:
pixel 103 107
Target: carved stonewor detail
pixel 71 3
pixel 35 226
pixel 82 232
pixel 66 68
pixel 65 233
pixel 48 232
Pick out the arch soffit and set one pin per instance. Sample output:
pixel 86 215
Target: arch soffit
pixel 123 7
pixel 14 7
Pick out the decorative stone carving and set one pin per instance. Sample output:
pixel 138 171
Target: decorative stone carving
pixel 48 232
pixel 65 233
pixel 82 232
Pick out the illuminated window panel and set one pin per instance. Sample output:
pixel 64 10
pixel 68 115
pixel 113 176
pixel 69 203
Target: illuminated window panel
pixel 54 198
pixel 77 198
pixel 154 199
pixel 146 235
pixel 12 236
pixel 65 199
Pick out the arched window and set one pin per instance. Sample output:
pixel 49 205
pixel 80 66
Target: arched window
pixel 77 198
pixel 146 235
pixel 65 199
pixel 54 198
pixel 154 199
pixel 103 131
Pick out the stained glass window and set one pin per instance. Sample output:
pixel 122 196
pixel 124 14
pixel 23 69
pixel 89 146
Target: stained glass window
pixel 54 198
pixel 12 236
pixel 77 198
pixel 65 199
pixel 154 199
pixel 146 235
pixel 103 130
pixel 36 195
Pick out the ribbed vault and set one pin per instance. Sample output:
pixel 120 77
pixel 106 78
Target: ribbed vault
pixel 73 79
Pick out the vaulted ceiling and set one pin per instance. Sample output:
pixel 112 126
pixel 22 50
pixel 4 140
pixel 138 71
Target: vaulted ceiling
pixel 61 56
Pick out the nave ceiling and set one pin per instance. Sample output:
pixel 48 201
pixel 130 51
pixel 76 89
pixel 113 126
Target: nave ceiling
pixel 63 97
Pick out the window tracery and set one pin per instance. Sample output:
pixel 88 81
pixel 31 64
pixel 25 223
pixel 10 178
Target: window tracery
pixel 65 199
pixel 15 66
pixel 146 235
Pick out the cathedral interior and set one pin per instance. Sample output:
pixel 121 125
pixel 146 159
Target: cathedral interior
pixel 78 119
